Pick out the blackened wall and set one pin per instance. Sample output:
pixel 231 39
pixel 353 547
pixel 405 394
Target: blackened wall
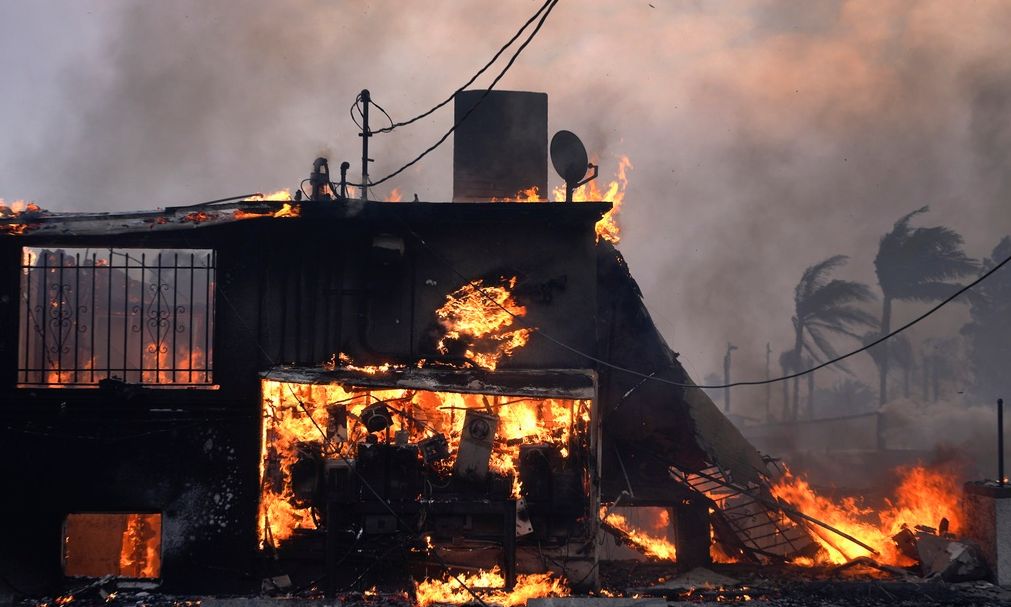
pixel 288 291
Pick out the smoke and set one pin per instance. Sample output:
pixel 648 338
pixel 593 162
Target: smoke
pixel 766 134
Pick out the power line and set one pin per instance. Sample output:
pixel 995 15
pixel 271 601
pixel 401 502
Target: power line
pixel 653 377
pixel 551 5
pixel 394 125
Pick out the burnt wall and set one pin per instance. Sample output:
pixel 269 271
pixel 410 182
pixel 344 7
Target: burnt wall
pixel 363 280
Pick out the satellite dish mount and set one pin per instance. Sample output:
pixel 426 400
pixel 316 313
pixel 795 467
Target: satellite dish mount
pixel 568 156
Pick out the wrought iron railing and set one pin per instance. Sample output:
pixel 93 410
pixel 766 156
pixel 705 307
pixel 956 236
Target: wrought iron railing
pixel 141 316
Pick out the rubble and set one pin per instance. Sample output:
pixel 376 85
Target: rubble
pixel 952 560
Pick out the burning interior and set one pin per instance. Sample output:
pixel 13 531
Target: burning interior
pixel 465 465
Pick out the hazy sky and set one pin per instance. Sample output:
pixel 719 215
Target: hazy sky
pixel 766 135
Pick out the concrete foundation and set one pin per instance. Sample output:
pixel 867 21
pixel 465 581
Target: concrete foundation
pixel 987 509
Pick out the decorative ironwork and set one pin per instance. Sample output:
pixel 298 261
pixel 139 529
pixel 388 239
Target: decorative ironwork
pixel 142 316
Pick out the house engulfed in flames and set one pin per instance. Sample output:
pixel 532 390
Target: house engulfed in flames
pixel 357 392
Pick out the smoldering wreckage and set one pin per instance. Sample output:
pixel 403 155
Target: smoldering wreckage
pixel 330 398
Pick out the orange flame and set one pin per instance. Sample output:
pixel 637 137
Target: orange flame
pixel 657 547
pixel 531 194
pixel 479 315
pixel 139 557
pixel 448 591
pixel 285 210
pixel 607 228
pixel 394 196
pixel 278 196
pixel 923 497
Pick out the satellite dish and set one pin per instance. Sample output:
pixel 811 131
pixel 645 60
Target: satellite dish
pixel 568 156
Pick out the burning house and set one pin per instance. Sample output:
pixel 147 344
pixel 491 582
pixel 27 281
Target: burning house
pixel 337 392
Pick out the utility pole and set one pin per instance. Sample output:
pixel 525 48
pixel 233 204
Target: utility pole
pixel 768 386
pixel 366 133
pixel 726 377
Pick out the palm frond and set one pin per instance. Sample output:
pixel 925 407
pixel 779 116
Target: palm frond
pixel 835 328
pixel 834 294
pixel 825 346
pixel 815 277
pixel 848 316
pixel 926 292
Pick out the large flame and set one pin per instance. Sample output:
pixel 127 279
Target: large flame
pixel 448 591
pixel 478 316
pixel 650 545
pixel 923 497
pixel 297 414
pixel 607 228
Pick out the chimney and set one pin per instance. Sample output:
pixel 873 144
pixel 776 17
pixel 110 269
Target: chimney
pixel 501 148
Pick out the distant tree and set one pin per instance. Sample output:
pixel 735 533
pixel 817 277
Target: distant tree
pixel 988 333
pixel 825 308
pixel 846 396
pixel 916 264
pixel 787 365
pixel 900 350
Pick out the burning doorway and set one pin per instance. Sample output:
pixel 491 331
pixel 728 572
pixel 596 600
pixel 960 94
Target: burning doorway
pixel 468 468
pixel 116 544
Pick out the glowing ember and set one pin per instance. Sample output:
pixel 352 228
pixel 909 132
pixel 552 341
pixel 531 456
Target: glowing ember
pixel 478 316
pixel 449 591
pixel 657 547
pixel 14 210
pixel 923 497
pixel 196 217
pixel 607 228
pixel 343 361
pixel 297 414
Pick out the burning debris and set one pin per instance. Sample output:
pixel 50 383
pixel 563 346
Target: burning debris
pixel 450 590
pixel 923 497
pixel 651 546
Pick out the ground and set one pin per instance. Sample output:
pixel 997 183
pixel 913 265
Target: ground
pixel 644 584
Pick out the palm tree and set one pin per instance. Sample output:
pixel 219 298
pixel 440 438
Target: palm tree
pixel 899 349
pixel 914 264
pixel 823 308
pixel 787 366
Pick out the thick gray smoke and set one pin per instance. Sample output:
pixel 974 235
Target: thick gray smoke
pixel 766 134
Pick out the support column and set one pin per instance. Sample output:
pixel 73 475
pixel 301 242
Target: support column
pixel 691 520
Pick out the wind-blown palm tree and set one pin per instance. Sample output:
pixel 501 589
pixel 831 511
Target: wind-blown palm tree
pixel 899 349
pixel 824 308
pixel 915 264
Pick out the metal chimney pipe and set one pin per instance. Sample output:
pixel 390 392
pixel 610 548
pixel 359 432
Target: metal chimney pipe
pixel 1000 442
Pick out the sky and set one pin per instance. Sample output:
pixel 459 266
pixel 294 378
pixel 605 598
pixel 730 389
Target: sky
pixel 765 135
